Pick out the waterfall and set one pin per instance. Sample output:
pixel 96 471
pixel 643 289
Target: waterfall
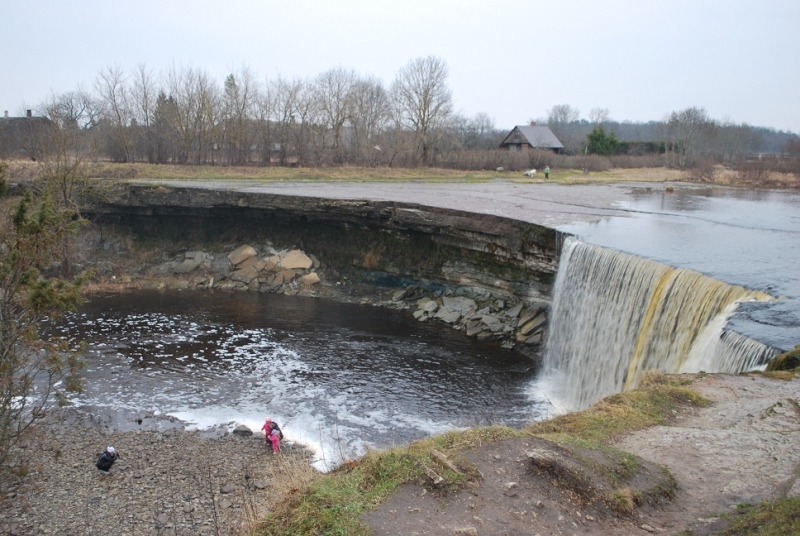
pixel 734 353
pixel 616 315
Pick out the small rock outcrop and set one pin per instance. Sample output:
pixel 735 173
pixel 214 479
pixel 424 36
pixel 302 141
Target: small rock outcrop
pixel 245 268
pixel 478 314
pixel 242 430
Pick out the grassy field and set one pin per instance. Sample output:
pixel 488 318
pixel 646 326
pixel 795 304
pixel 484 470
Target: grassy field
pixel 23 170
pixel 20 170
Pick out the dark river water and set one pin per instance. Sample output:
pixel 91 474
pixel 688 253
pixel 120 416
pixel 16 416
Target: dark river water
pixel 337 377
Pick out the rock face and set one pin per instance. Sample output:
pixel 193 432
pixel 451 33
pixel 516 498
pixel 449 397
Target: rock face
pixel 488 276
pixel 493 319
pixel 462 248
pixel 244 270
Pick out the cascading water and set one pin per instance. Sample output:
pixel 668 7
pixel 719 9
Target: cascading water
pixel 615 316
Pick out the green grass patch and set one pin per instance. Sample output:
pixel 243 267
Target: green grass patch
pixel 334 503
pixel 653 403
pixel 774 518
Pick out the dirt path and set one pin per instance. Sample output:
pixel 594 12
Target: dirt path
pixel 742 449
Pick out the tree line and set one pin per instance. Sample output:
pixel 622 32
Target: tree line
pixel 184 116
pixel 336 118
pixel 685 137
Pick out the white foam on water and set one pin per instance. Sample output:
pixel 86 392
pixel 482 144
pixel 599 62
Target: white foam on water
pixel 335 407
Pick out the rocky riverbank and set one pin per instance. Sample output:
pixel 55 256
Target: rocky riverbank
pixel 251 267
pixel 167 481
pixel 739 450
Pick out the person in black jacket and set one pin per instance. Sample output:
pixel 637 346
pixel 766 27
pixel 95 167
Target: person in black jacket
pixel 107 459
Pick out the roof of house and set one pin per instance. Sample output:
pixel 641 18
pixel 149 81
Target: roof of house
pixel 535 136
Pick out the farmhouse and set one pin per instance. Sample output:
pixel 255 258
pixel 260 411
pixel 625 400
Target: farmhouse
pixel 524 137
pixel 22 137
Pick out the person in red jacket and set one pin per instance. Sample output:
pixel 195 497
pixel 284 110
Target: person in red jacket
pixel 273 435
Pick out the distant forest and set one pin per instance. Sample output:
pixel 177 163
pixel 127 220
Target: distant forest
pixel 339 117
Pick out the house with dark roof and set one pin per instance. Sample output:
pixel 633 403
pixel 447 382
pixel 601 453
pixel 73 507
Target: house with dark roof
pixel 524 137
pixel 23 137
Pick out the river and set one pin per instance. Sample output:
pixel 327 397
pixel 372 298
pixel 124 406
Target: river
pixel 337 377
pixel 341 378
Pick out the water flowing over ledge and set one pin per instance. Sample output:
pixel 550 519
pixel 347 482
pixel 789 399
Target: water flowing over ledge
pixel 615 316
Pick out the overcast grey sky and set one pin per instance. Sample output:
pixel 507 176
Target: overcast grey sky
pixel 513 60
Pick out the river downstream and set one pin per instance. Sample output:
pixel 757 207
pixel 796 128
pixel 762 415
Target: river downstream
pixel 337 377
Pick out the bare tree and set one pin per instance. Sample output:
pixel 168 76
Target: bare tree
pixel 734 142
pixel 238 102
pixel 370 115
pixel 476 132
pixel 144 95
pixel 332 92
pixel 689 134
pixel 285 98
pixel 209 118
pixel 68 145
pixel 599 116
pixel 562 113
pixel 195 113
pixel 422 101
pixel 563 121
pixel 115 100
pixel 305 110
pixel 182 88
pixel 265 129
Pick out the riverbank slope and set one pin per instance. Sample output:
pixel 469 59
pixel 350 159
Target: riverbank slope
pixel 740 449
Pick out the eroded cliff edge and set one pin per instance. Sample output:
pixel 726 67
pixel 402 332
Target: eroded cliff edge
pixel 368 245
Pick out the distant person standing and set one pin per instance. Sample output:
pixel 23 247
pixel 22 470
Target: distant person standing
pixel 106 460
pixel 546 172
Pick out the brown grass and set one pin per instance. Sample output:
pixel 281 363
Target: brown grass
pixel 21 170
pixel 622 501
pixel 25 170
pixel 286 478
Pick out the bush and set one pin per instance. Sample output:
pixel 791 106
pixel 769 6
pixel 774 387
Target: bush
pixel 488 160
pixel 630 161
pixel 703 168
pixel 786 361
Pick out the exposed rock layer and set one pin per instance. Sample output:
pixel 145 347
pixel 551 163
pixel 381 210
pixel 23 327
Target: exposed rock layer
pixel 503 268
